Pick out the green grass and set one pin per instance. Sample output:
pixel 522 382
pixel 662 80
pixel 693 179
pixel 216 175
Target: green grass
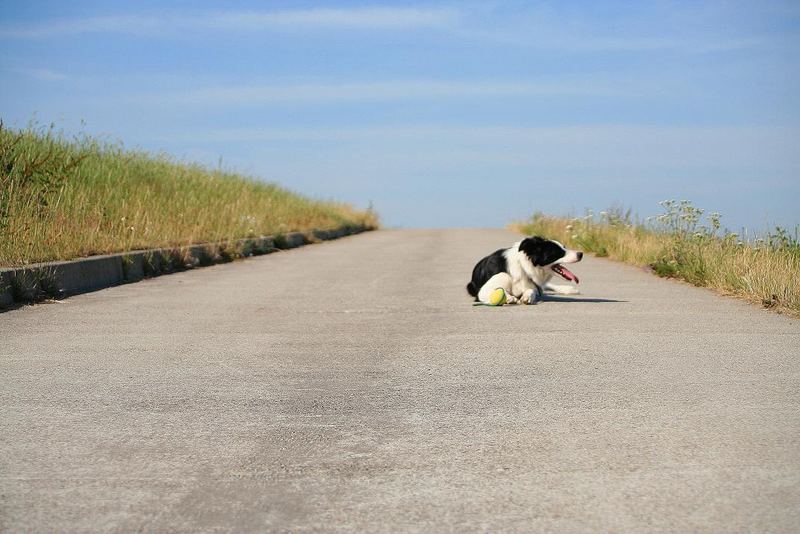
pixel 63 199
pixel 685 243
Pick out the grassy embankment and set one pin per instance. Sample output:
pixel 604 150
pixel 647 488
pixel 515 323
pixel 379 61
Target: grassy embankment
pixel 681 243
pixel 62 199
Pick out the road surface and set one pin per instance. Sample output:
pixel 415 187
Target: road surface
pixel 351 385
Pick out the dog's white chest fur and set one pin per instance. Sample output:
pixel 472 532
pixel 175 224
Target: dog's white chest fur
pixel 524 275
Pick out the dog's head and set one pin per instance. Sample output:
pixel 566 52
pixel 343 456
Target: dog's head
pixel 546 253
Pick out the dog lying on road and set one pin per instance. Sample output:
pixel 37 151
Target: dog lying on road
pixel 524 271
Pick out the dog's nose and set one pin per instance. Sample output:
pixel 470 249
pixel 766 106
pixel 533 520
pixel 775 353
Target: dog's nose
pixel 580 256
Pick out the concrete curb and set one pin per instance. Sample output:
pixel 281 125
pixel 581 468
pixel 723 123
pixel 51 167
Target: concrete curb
pixel 61 279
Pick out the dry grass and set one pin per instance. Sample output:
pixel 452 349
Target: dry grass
pixel 682 243
pixel 62 199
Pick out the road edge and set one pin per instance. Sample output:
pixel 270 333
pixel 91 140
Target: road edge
pixel 61 279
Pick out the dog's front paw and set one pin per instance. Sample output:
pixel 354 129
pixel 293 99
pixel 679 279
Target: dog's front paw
pixel 511 299
pixel 530 296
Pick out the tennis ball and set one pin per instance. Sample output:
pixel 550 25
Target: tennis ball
pixel 497 297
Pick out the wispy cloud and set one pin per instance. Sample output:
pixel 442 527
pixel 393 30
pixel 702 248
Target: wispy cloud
pixel 43 74
pixel 783 136
pixel 588 43
pixel 367 18
pixel 613 146
pixel 532 28
pixel 382 91
pixel 641 28
pixel 355 18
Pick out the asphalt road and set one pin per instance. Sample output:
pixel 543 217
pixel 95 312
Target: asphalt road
pixel 351 385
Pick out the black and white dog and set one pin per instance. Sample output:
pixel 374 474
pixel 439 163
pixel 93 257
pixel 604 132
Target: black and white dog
pixel 524 271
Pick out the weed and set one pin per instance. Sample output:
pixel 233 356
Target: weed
pixel 67 198
pixel 686 243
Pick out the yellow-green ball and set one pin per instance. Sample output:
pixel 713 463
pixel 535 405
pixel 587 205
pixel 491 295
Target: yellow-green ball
pixel 497 297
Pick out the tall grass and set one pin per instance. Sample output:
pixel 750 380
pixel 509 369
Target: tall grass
pixel 62 199
pixel 684 242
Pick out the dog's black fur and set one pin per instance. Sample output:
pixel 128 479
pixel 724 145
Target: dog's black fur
pixel 489 266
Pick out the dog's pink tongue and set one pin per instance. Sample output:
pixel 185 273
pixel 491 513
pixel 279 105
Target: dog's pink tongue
pixel 566 273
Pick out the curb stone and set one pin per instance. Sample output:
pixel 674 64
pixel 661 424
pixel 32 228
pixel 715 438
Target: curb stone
pixel 62 279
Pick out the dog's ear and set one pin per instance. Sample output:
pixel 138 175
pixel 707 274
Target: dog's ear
pixel 541 251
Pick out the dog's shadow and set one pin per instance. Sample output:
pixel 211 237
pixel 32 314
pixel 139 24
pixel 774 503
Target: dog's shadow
pixel 562 298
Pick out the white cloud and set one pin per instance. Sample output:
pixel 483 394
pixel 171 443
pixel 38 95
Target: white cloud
pixel 642 27
pixel 357 18
pixel 546 29
pixel 43 74
pixel 586 43
pixel 367 18
pixel 382 91
pixel 606 146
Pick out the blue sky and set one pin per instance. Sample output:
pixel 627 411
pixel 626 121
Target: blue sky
pixel 440 114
